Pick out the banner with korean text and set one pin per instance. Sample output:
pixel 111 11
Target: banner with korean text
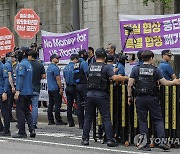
pixel 64 44
pixel 151 32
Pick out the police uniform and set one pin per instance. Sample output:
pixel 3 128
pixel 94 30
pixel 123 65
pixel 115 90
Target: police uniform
pixel 146 77
pixel 70 90
pixel 3 104
pixel 166 69
pixel 55 99
pixel 10 98
pixel 97 96
pixel 80 75
pixel 24 86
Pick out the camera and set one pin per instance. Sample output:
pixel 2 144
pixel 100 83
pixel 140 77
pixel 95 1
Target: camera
pixel 130 29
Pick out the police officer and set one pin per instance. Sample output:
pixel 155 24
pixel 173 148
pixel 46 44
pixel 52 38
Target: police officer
pixel 145 78
pixel 3 101
pixel 23 94
pixel 70 87
pixel 97 96
pixel 80 75
pixel 165 67
pixel 55 91
pixel 11 87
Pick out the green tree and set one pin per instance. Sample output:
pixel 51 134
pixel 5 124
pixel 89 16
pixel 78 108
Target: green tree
pixel 166 3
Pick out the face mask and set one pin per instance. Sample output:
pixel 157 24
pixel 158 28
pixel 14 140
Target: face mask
pixel 20 57
pixel 3 60
pixel 129 57
pixel 85 57
pixel 9 59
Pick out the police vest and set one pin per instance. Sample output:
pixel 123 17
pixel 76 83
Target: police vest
pixel 79 74
pixel 96 79
pixel 146 83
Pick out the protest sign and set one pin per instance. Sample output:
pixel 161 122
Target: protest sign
pixel 6 41
pixel 64 44
pixel 151 32
pixel 26 23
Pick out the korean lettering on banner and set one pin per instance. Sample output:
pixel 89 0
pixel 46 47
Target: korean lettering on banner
pixel 151 34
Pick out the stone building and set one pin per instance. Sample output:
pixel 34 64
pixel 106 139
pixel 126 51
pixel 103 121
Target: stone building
pixel 100 16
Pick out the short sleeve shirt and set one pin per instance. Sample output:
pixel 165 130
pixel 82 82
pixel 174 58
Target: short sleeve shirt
pixel 135 73
pixel 166 69
pixel 38 71
pixel 52 72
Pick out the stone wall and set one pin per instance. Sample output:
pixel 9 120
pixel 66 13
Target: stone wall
pixel 100 16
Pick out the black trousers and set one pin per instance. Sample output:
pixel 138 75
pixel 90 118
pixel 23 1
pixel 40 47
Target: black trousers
pixel 55 99
pixel 5 113
pixel 151 104
pixel 81 99
pixel 71 97
pixel 10 100
pixel 102 103
pixel 23 112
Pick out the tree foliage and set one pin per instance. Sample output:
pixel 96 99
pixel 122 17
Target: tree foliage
pixel 166 3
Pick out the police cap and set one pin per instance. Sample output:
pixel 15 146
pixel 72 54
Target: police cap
pixel 110 58
pixel 8 54
pixel 74 56
pixel 166 52
pixel 82 52
pixel 54 56
pixel 101 52
pixel 139 54
pixel 25 49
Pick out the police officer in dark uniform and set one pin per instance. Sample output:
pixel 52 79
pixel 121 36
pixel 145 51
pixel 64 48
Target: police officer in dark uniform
pixel 70 87
pixel 3 101
pixel 23 94
pixel 97 96
pixel 145 78
pixel 80 75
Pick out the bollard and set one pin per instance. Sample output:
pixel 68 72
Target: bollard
pixel 166 111
pixel 174 98
pixel 111 102
pixel 123 112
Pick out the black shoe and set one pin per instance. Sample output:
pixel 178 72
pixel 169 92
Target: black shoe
pixel 63 110
pixel 45 104
pixel 61 123
pixel 51 123
pixel 35 127
pixel 5 133
pixel 111 143
pixel 85 142
pixel 145 148
pixel 71 125
pixel 13 120
pixel 33 134
pixel 17 126
pixel 19 135
pixel 164 147
pixel 80 126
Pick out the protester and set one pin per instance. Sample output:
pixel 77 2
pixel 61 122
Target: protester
pixel 38 74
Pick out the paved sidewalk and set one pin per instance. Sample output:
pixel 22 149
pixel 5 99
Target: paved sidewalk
pixel 42 115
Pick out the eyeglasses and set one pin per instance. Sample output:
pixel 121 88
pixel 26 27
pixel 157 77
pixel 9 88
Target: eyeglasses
pixel 169 55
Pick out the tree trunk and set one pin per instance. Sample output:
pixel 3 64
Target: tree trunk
pixel 177 57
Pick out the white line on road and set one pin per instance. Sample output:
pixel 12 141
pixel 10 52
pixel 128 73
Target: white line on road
pixel 72 145
pixel 3 141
